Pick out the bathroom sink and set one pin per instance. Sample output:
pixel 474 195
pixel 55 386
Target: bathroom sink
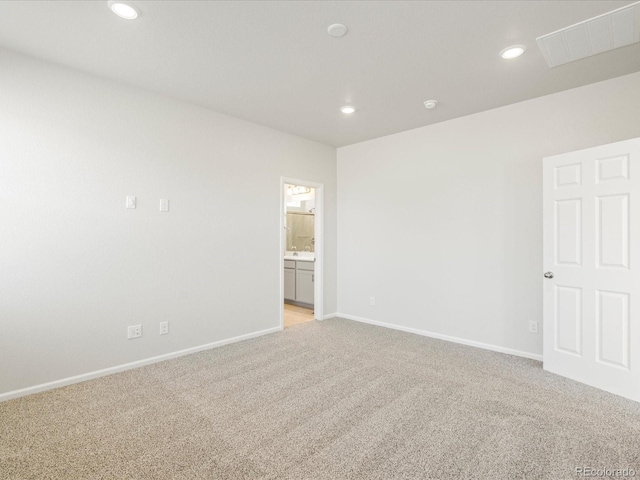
pixel 300 258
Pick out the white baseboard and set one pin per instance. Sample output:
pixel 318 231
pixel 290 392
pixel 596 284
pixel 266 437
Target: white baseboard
pixel 167 356
pixel 448 338
pixel 128 366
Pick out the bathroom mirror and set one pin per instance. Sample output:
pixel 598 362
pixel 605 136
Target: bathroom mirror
pixel 300 203
pixel 300 231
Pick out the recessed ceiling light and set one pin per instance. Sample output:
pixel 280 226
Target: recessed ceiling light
pixel 347 109
pixel 430 104
pixel 514 51
pixel 337 30
pixel 123 10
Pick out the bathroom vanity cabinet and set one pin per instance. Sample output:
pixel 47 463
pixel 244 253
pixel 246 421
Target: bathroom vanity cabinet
pixel 299 279
pixel 289 280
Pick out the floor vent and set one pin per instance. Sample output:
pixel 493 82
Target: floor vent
pixel 611 30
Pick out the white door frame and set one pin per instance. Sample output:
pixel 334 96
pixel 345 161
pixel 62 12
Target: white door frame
pixel 318 288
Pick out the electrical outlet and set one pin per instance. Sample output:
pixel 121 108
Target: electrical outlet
pixel 372 301
pixel 164 328
pixel 533 326
pixel 134 331
pixel 164 205
pixel 131 202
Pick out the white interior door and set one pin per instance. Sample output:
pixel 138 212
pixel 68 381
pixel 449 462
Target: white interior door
pixel 592 252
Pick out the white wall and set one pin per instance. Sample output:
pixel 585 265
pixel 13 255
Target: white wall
pixel 76 268
pixel 443 224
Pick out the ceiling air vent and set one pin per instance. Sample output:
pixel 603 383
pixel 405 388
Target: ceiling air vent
pixel 599 34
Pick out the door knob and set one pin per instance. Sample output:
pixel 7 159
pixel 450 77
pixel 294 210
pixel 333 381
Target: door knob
pixel 548 275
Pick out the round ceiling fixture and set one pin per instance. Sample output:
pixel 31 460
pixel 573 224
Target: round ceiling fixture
pixel 347 109
pixel 430 104
pixel 514 51
pixel 337 30
pixel 123 10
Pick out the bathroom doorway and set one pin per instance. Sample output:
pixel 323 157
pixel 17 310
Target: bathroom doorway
pixel 301 252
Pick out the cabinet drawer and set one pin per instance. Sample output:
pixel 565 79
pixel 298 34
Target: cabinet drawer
pixel 289 264
pixel 305 265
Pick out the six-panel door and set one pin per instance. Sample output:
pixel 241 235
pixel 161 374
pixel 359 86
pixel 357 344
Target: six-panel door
pixel 592 247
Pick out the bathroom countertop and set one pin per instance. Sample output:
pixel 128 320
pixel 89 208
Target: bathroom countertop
pixel 299 258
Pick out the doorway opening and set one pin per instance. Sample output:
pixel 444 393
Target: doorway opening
pixel 300 252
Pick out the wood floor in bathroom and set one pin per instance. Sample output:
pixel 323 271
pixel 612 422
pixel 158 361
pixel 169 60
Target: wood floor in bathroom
pixel 294 315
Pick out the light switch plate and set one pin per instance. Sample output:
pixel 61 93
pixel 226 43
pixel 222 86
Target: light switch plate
pixel 164 205
pixel 131 201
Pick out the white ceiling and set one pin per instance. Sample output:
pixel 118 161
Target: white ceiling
pixel 273 62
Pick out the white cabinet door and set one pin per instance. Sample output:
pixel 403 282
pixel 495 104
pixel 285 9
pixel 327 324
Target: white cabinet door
pixel 304 286
pixel 289 284
pixel 592 261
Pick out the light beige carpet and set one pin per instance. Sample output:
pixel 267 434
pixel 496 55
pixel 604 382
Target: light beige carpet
pixel 322 400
